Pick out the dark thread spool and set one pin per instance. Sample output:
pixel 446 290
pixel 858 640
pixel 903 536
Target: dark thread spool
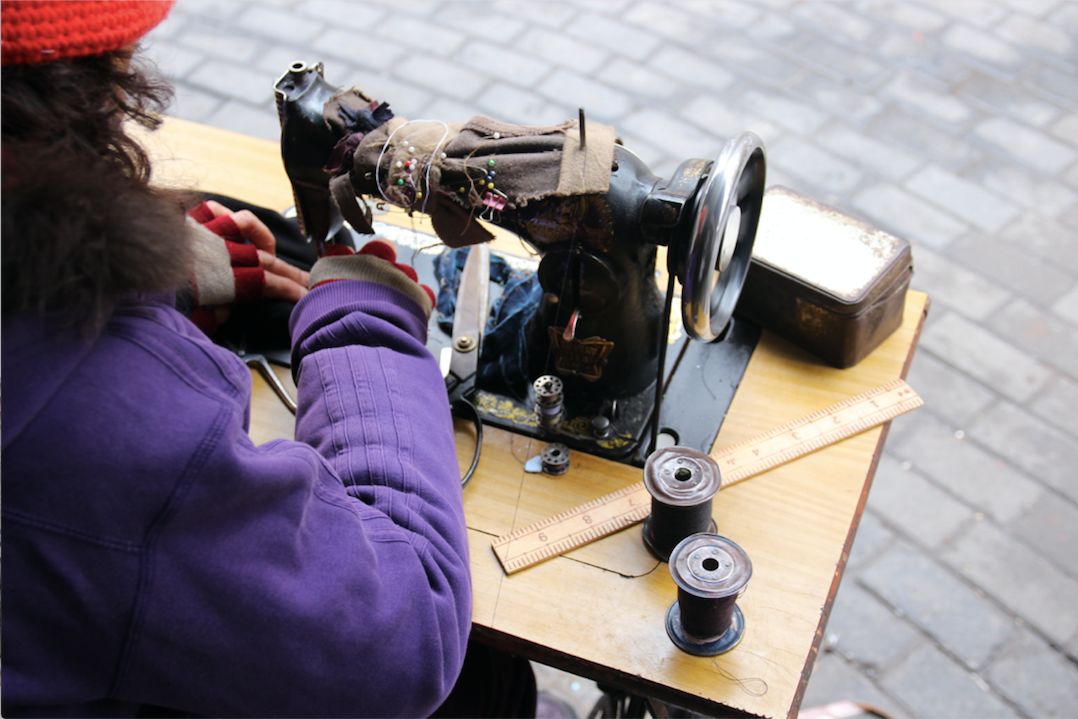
pixel 548 391
pixel 711 572
pixel 682 482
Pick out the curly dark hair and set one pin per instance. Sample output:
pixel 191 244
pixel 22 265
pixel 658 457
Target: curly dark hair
pixel 82 226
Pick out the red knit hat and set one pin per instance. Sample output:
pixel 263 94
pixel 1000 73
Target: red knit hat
pixel 36 31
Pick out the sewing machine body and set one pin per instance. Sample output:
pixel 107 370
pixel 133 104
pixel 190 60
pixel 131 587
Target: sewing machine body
pixel 599 320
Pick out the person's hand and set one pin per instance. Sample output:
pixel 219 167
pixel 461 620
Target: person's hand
pixel 376 262
pixel 257 272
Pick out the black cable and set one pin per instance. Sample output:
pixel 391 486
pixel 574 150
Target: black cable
pixel 459 405
pixel 664 336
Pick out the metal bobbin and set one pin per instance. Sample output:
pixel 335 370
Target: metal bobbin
pixel 710 571
pixel 549 392
pixel 681 482
pixel 555 459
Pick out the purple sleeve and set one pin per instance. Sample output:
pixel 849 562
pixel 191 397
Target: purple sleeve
pixel 332 573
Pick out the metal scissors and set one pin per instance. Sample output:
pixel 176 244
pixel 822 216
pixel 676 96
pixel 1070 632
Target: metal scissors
pixel 469 320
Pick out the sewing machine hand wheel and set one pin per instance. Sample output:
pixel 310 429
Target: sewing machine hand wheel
pixel 716 263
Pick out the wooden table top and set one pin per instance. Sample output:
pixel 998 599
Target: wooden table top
pixel 599 611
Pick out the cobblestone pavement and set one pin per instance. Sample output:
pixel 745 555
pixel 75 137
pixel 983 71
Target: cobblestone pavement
pixel 954 124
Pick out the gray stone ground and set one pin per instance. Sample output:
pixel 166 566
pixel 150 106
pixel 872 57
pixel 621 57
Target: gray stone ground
pixel 954 124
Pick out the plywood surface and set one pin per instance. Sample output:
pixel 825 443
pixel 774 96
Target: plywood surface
pixel 600 609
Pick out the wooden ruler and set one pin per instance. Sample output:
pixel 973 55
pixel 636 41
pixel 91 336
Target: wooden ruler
pixel 612 512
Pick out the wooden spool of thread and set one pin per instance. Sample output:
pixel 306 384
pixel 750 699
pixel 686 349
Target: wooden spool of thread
pixel 711 572
pixel 682 482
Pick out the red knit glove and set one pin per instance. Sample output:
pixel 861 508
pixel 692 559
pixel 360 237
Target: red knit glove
pixel 235 261
pixel 375 262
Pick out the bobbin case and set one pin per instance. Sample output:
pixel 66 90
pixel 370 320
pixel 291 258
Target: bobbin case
pixel 711 572
pixel 824 281
pixel 681 481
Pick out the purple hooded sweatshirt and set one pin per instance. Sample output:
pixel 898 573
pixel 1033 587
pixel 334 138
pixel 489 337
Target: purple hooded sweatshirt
pixel 153 555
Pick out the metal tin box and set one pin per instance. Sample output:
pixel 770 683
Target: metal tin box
pixel 824 281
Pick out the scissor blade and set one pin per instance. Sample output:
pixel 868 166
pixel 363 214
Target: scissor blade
pixel 471 313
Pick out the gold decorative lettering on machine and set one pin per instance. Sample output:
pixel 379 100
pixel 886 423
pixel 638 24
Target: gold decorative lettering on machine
pixel 582 358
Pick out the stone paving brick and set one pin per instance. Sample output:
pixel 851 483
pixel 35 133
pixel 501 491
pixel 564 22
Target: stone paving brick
pixel 442 76
pixel 723 120
pixel 933 685
pixel 964 622
pixel 1031 147
pixel 963 198
pixel 833 679
pixel 425 37
pixel 947 391
pixel 1048 239
pixel 996 95
pixel 791 114
pixel 905 129
pixel 190 103
pixel 521 106
pixel 982 46
pixel 1030 443
pixel 1036 678
pixel 1051 527
pixel 1036 8
pixel 1065 16
pixel 1000 365
pixel 840 63
pixel 838 100
pixel 677 138
pixel 636 79
pixel 1053 341
pixel 173 61
pixel 233 80
pixel 652 156
pixel 448 110
pixel 550 14
pixel 817 168
pixel 908 501
pixel 759 65
pixel 872 537
pixel 555 48
pixel 925 95
pixel 691 69
pixel 671 22
pixel 955 286
pixel 1056 84
pixel 896 210
pixel 834 20
pixel 913 16
pixel 600 101
pixel 279 23
pixel 1013 266
pixel 219 41
pixel 1058 404
pixel 1029 33
pixel 966 469
pixel 494 60
pixel 866 631
pixel 405 99
pixel 1067 306
pixel 1034 190
pixel 612 35
pixel 1018 577
pixel 240 117
pixel 221 10
pixel 374 54
pixel 491 26
pixel 338 13
pixel 1066 128
pixel 979 13
pixel 726 14
pixel 884 158
pixel 274 61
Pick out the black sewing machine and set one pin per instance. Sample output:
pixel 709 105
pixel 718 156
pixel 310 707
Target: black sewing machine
pixel 597 318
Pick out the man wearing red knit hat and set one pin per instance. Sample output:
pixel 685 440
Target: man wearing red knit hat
pixel 153 557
